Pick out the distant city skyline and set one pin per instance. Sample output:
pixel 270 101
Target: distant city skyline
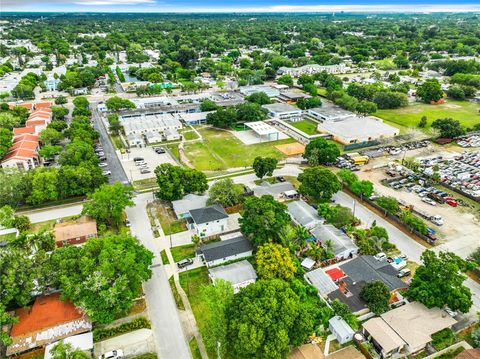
pixel 185 6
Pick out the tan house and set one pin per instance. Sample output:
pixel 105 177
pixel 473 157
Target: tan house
pixel 75 232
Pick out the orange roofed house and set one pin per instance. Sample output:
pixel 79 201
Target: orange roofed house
pixel 75 232
pixel 49 319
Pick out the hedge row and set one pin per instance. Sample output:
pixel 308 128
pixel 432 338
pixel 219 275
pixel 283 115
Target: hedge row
pixel 105 333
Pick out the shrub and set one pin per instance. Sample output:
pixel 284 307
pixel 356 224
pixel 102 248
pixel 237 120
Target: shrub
pixel 105 333
pixel 443 339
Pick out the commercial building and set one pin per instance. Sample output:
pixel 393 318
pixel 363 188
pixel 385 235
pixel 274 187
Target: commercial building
pixel 405 330
pixel 153 127
pixel 225 250
pixel 48 320
pixel 269 91
pixel 264 131
pixel 207 221
pixel 75 232
pixel 283 111
pixel 239 274
pixel 23 154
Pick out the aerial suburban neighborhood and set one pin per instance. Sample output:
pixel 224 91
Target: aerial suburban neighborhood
pixel 195 181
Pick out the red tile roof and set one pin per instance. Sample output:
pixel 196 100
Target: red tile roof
pixel 335 273
pixel 22 130
pixel 24 147
pixel 36 122
pixel 47 311
pixel 28 106
pixel 43 105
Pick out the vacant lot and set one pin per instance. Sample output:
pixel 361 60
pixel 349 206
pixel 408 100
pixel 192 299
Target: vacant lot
pixel 307 126
pixel 464 111
pixel 221 150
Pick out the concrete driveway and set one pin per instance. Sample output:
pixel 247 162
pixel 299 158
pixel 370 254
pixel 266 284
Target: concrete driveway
pixel 132 344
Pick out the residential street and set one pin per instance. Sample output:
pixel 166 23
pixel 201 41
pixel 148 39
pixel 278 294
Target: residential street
pixel 46 214
pixel 169 336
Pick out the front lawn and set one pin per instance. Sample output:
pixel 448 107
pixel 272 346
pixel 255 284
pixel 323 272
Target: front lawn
pixel 183 252
pixel 191 282
pixel 464 111
pixel 220 150
pixel 168 220
pixel 308 127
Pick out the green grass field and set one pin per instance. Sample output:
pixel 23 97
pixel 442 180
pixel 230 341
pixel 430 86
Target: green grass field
pixel 464 111
pixel 221 150
pixel 183 252
pixel 307 126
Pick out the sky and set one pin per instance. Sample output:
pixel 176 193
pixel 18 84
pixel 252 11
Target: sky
pixel 240 6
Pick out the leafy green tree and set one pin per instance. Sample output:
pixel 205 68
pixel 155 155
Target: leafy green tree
pixel 362 188
pixel 337 215
pixel 343 311
pixel 6 140
pixel 44 186
pixel 59 113
pixel 456 92
pixel 262 219
pixel 79 180
pixel 306 103
pixel 448 127
pixel 280 321
pixel 223 117
pixel 260 98
pixel 285 80
pixel 61 100
pixel 49 151
pixel 174 181
pixel 275 261
pixel 208 105
pixel 377 295
pixel 7 216
pixel 366 107
pixel 390 99
pixel 116 103
pixel 63 350
pixel 430 90
pixel 107 203
pixel 318 183
pixel 347 176
pixel 249 112
pixel 264 166
pixel 50 137
pixel 326 152
pixel 15 186
pixel 5 319
pixel 104 276
pixel 216 299
pixel 225 193
pixel 77 152
pixel 423 122
pixel 389 204
pixel 439 282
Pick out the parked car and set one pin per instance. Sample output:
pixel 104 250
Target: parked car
pixel 138 159
pixel 380 256
pixel 114 354
pixel 438 220
pixel 107 173
pixel 100 154
pixel 159 150
pixel 429 201
pixel 145 170
pixel 103 158
pixel 280 179
pixel 405 272
pixel 127 223
pixel 185 262
pixel 451 312
pixel 139 163
pixel 103 164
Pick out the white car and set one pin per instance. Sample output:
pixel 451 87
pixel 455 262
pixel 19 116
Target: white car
pixel 438 220
pixel 114 354
pixel 380 256
pixel 103 164
pixel 107 173
pixel 429 201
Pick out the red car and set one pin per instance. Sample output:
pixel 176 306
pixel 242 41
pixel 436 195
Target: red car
pixel 452 203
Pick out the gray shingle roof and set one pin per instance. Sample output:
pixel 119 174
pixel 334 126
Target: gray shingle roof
pixel 208 214
pixel 224 249
pixel 368 269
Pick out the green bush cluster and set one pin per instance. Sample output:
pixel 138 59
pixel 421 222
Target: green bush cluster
pixel 105 333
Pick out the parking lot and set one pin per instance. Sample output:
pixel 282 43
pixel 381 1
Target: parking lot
pixel 151 160
pixel 459 232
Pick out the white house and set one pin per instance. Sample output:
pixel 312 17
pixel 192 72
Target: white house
pixel 51 83
pixel 224 251
pixel 239 274
pixel 340 329
pixel 207 221
pixel 342 245
pixel 283 111
pixel 182 207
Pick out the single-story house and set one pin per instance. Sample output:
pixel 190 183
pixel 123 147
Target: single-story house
pixel 46 321
pixel 75 232
pixel 320 280
pixel 304 214
pixel 276 190
pixel 239 274
pixel 84 342
pixel 406 330
pixel 171 134
pixel 217 253
pixel 343 246
pixel 283 111
pixel 207 221
pixel 182 207
pixel 340 329
pixel 153 137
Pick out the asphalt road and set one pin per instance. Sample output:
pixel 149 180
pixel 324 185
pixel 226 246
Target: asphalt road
pixel 42 215
pixel 114 165
pixel 169 337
